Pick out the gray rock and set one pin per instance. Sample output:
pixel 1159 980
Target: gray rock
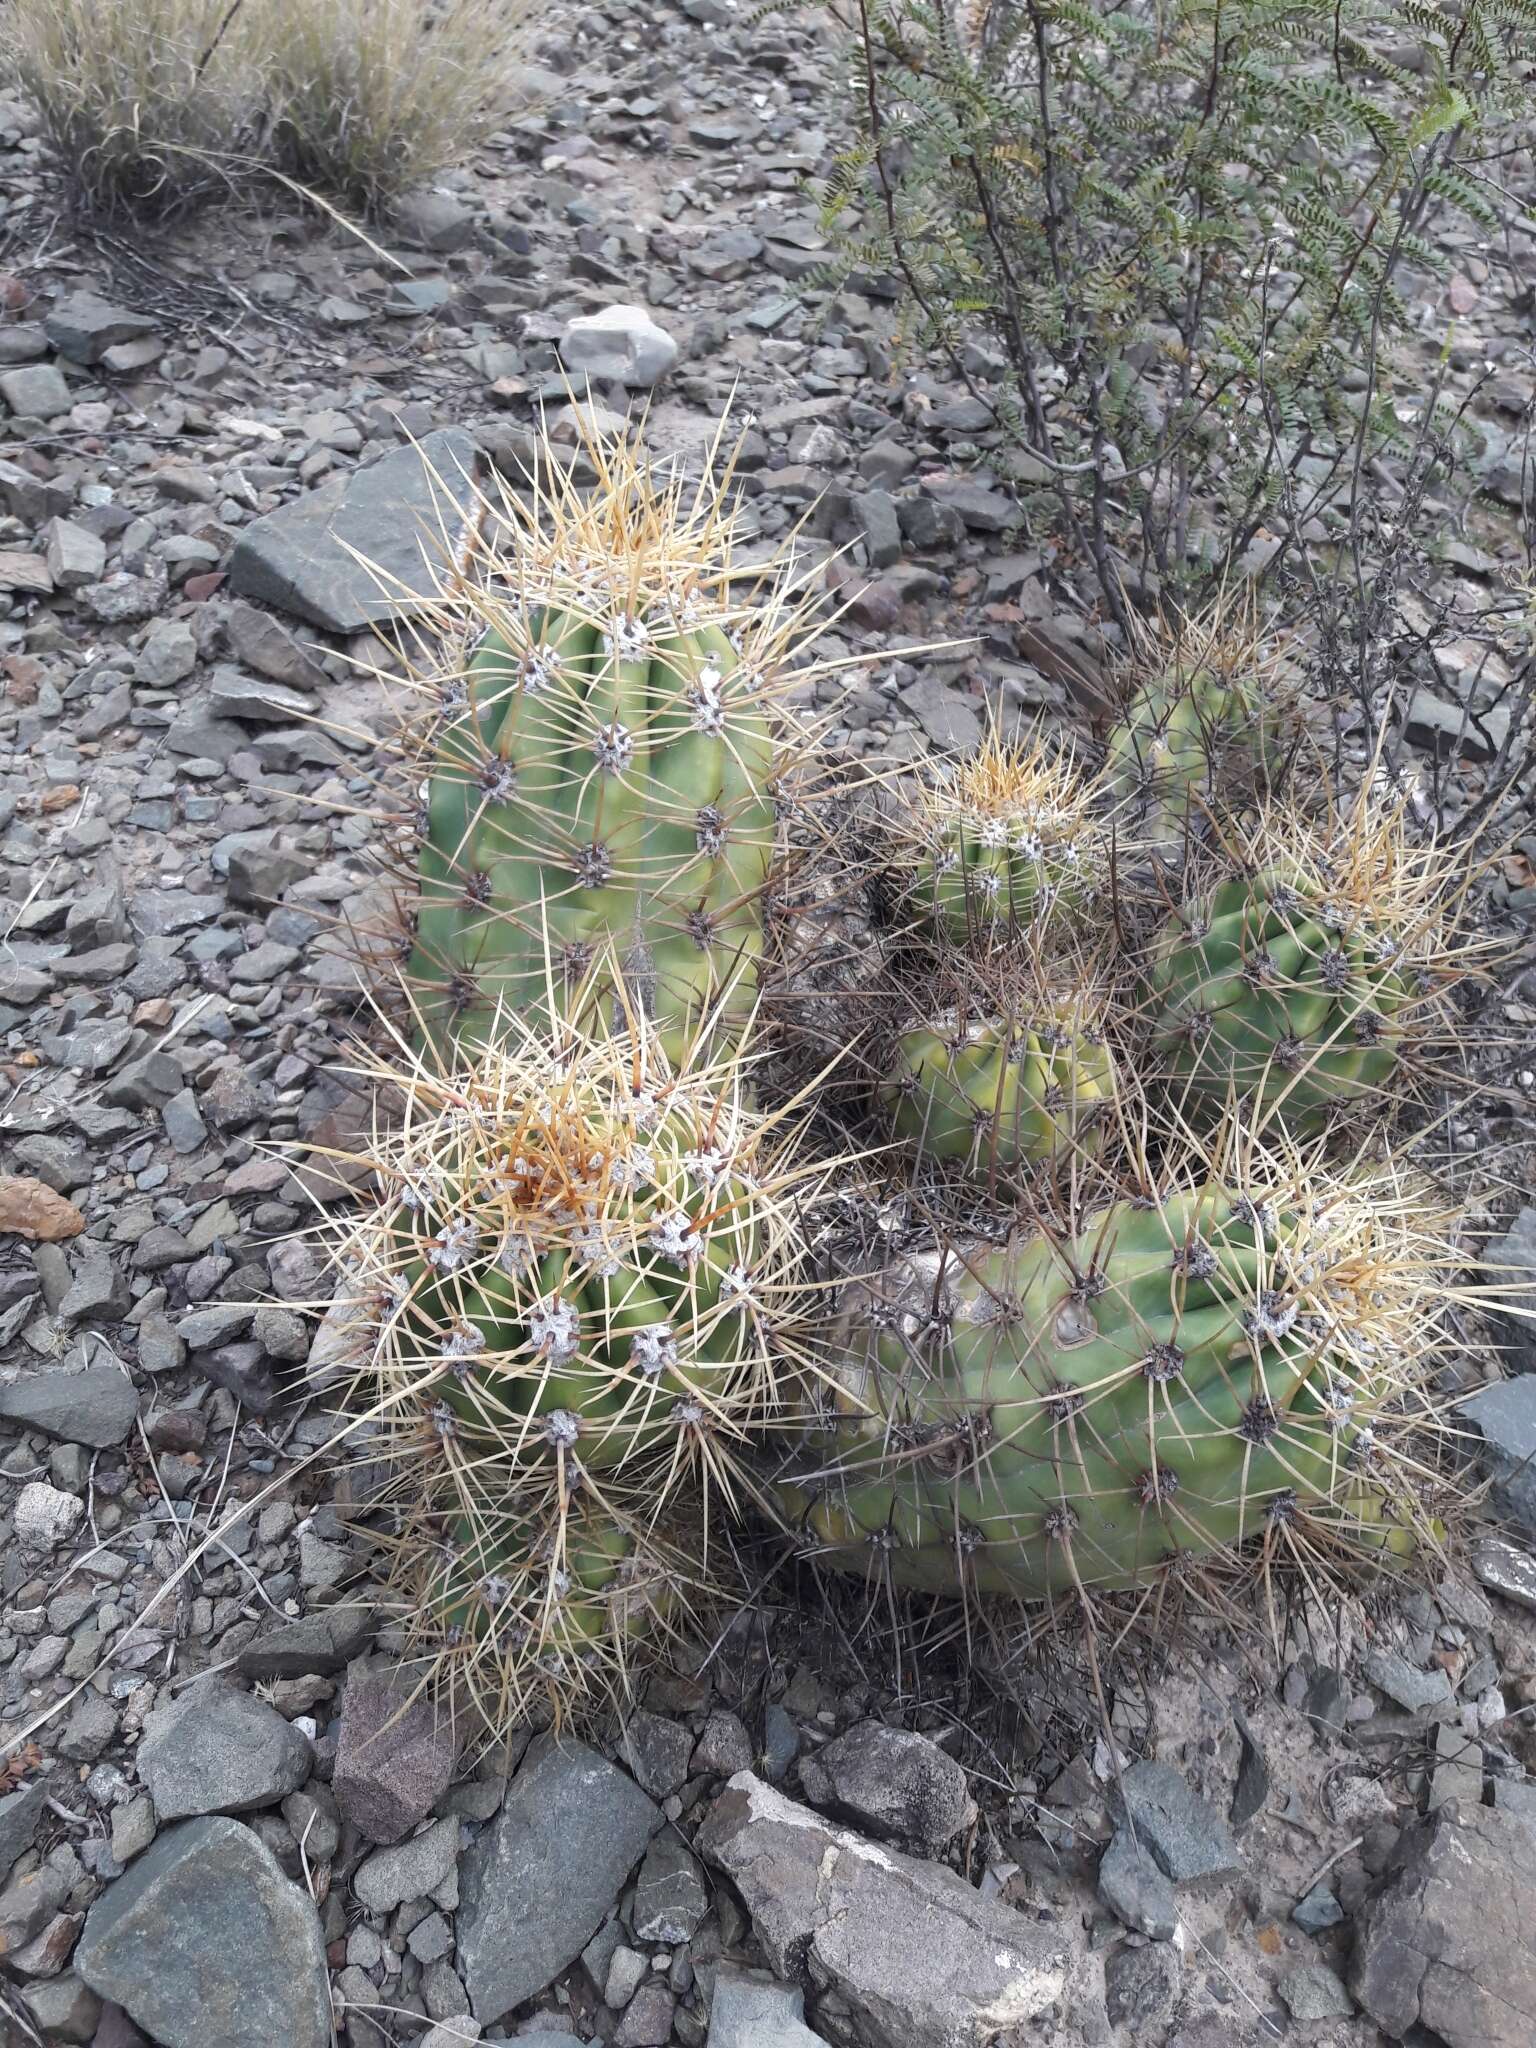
pixel 168 656
pixel 1505 1415
pixel 324 1642
pixel 206 1944
pixel 1503 1568
pixel 20 1813
pixel 875 512
pixel 1251 1788
pixel 1443 728
pixel 980 509
pixel 393 1761
pixel 64 2009
pixel 256 700
pixel 299 557
pixel 83 326
pixel 923 1959
pixel 409 1870
pixel 670 1894
pixel 1512 1278
pixel 534 1888
pixel 1318 1911
pixel 36 391
pixel 753 2010
pixel 98 1293
pixel 1313 1992
pixel 891 1783
pixel 73 553
pixel 1141 1988
pixel 430 219
pixel 44 1517
pixel 216 1750
pixel 949 720
pixel 1418 1691
pixel 657 1751
pixel 1448 1940
pixel 264 644
pixel 1185 1836
pixel 647 2021
pixel 95 1407
pixel 619 345
pixel 1135 1890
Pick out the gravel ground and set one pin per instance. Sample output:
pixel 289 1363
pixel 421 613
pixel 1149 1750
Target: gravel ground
pixel 221 1826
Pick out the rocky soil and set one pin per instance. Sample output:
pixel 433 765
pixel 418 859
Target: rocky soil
pixel 223 1824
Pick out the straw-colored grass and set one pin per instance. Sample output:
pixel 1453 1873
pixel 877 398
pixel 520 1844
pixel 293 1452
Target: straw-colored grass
pixel 372 97
pixel 142 100
pixel 152 104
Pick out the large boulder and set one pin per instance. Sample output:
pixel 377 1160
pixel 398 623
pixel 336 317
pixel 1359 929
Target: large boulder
pixel 205 1944
pixel 1447 1942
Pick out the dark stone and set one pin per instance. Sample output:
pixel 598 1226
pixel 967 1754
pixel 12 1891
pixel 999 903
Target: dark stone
pixel 95 1407
pixel 206 1944
pixel 216 1750
pixel 1141 1988
pixel 890 1782
pixel 316 1644
pixel 657 1751
pixel 1185 1836
pixel 670 1895
pixel 536 1886
pixel 300 557
pixel 20 1813
pixel 393 1761
pixel 1511 1277
pixel 1505 1416
pixel 1448 1940
pixel 1135 1890
pixel 1253 1780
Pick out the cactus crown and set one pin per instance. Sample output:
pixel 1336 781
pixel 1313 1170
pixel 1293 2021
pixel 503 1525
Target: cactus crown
pixel 1004 840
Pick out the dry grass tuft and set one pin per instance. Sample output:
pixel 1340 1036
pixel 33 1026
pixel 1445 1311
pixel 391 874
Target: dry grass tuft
pixel 372 97
pixel 140 98
pixel 152 104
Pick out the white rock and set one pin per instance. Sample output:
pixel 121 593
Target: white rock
pixel 621 344
pixel 45 1516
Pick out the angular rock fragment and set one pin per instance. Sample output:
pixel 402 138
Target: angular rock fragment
pixel 923 1959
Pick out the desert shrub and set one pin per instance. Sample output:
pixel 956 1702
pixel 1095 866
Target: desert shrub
pixel 1179 231
pixel 370 97
pixel 140 98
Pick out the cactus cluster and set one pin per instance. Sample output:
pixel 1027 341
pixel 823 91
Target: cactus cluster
pixel 1149 1322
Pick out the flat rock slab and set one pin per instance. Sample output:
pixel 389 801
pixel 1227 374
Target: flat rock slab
pixel 923 1960
pixel 206 1944
pixel 95 1407
pixel 1447 1942
pixel 405 516
pixel 534 1888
